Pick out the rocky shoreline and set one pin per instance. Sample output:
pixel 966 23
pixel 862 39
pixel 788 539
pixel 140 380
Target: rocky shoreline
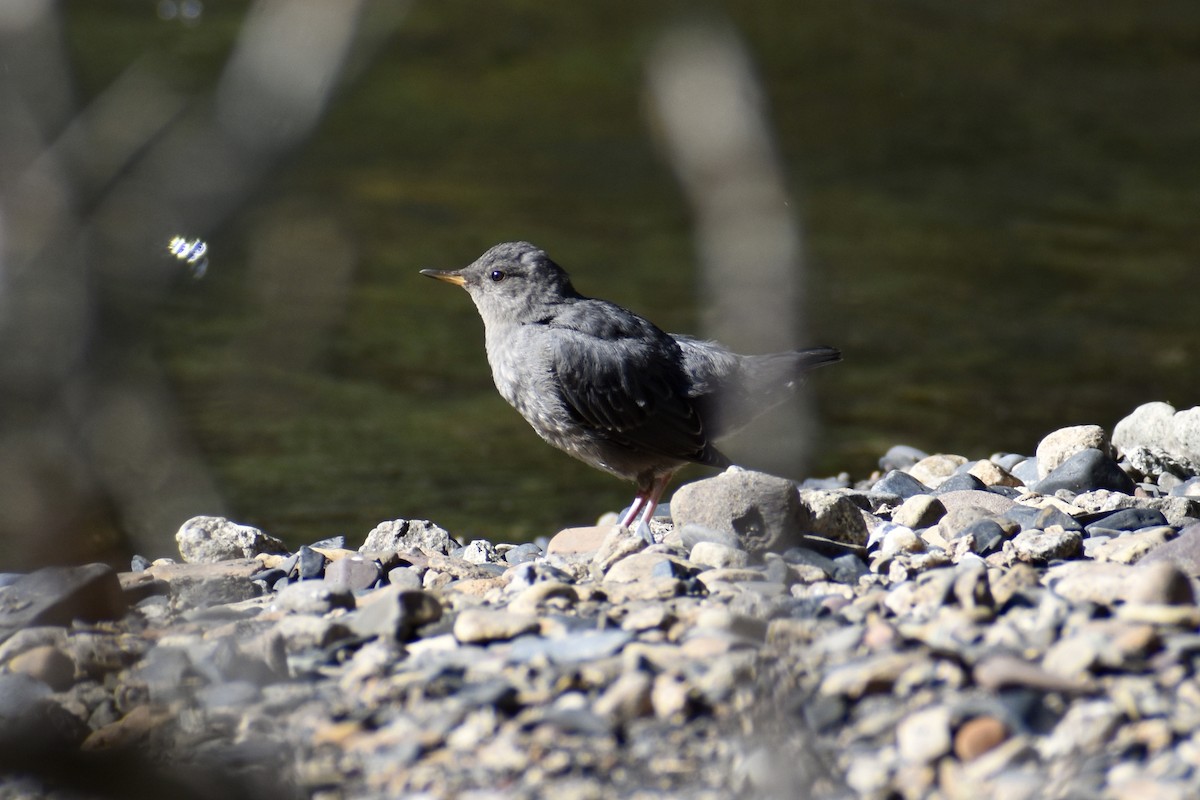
pixel 1012 627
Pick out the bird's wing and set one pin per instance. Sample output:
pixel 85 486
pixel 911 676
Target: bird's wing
pixel 623 378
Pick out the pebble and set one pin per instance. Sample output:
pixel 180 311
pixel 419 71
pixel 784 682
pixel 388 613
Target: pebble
pixel 984 641
pixel 478 625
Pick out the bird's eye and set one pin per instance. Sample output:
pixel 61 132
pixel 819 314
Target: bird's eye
pixel 497 275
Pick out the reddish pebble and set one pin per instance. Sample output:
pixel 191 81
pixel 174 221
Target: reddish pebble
pixel 977 736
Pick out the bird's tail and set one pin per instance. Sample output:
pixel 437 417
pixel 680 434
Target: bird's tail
pixel 752 385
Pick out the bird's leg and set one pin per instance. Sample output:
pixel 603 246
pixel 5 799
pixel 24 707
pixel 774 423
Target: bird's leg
pixel 646 500
pixel 635 508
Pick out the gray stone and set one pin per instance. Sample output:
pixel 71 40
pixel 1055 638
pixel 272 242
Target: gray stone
pixel 987 534
pixel 1058 446
pixel 901 456
pixel 834 516
pixel 310 564
pixel 1037 547
pixel 393 612
pixel 961 482
pixel 416 535
pixel 1085 471
pixel 311 597
pixel 352 574
pixel 763 511
pixel 900 484
pixel 1183 551
pixel 405 577
pixel 528 551
pixel 1129 519
pixel 59 595
pixel 208 540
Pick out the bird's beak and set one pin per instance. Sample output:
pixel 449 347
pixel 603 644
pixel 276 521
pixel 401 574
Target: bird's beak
pixel 447 275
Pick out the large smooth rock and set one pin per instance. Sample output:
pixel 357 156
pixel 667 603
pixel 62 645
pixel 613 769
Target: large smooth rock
pixel 764 511
pixel 207 540
pixel 59 595
pixel 1085 471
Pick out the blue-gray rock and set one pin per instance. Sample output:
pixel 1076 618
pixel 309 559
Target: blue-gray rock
pixel 900 456
pixel 1129 519
pixel 961 482
pixel 312 597
pixel 1050 515
pixel 523 552
pixel 270 578
pixel 352 574
pixel 1086 471
pixel 1024 516
pixel 989 535
pixel 310 563
pixel 900 484
pixel 394 612
pixel 1026 471
pixel 139 564
pixel 1009 461
pixel 571 649
pixel 59 595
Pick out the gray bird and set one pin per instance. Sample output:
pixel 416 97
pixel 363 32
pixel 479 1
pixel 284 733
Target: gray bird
pixel 606 385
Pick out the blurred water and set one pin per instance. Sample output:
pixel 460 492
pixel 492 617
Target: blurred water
pixel 998 202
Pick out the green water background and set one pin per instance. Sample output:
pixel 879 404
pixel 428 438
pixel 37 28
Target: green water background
pixel 998 200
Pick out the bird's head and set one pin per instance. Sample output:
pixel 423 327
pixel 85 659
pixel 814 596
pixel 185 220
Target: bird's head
pixel 511 283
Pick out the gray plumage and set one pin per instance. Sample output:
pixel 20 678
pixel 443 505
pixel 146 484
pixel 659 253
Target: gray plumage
pixel 608 386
